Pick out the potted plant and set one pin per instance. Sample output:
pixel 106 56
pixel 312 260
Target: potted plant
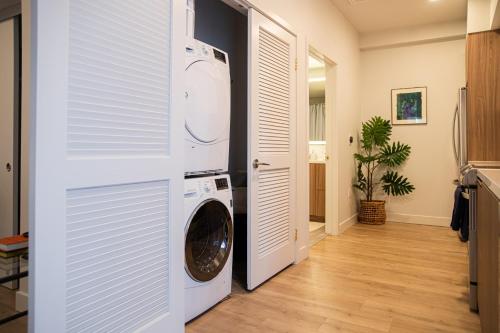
pixel 376 165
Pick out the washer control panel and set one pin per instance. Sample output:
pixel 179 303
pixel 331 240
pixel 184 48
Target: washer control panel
pixel 221 184
pixel 205 186
pixel 195 189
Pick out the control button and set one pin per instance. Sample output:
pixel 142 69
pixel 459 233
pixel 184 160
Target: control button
pixel 221 184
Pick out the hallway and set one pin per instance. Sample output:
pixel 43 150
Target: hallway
pixel 391 278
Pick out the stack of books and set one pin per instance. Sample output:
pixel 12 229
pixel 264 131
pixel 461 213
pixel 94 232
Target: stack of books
pixel 13 246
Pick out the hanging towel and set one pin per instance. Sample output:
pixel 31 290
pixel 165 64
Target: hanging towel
pixel 460 215
pixel 317 122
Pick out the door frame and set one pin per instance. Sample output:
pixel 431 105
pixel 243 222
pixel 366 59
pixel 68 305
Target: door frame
pixel 332 225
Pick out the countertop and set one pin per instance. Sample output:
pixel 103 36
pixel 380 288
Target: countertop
pixel 317 162
pixel 491 178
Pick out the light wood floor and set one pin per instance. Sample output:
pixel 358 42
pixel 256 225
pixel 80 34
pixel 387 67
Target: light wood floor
pixel 392 278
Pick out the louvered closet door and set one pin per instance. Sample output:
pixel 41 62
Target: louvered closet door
pixel 272 149
pixel 106 252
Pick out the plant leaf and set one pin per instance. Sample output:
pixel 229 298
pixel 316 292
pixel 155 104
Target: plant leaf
pixel 362 181
pixel 375 132
pixel 365 159
pixel 395 154
pixel 394 184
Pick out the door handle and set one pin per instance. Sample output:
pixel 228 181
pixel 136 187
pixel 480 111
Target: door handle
pixel 256 163
pixel 455 149
pixel 8 167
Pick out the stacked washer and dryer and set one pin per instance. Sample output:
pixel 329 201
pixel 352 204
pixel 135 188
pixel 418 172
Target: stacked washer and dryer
pixel 207 186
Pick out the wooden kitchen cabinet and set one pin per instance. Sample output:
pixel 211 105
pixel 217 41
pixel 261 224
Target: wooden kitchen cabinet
pixel 487 258
pixel 317 192
pixel 483 96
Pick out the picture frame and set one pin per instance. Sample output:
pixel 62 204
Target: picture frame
pixel 409 106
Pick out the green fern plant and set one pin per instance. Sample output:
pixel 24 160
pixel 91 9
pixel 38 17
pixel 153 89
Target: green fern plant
pixel 379 157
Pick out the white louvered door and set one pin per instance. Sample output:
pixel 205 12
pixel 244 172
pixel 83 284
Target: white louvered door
pixel 106 231
pixel 272 150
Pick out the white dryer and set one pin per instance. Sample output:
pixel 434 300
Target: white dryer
pixel 208 109
pixel 208 242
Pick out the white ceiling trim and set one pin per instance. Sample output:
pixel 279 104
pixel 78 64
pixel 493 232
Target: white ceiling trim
pixel 379 15
pixel 413 36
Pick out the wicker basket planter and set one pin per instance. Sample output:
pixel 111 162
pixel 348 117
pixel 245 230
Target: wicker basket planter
pixel 372 212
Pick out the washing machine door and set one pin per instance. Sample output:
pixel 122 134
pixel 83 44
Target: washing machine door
pixel 209 240
pixel 207 101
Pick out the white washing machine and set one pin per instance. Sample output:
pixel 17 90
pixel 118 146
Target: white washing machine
pixel 208 109
pixel 208 242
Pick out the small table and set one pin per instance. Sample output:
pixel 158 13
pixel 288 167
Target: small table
pixel 14 268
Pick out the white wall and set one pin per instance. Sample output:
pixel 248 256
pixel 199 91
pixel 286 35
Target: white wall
pixel 478 15
pixel 326 29
pixel 440 67
pixel 495 14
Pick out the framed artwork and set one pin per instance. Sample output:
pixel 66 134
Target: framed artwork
pixel 409 106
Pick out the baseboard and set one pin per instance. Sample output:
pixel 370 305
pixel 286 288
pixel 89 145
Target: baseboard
pixel 21 301
pixel 347 223
pixel 315 218
pixel 419 219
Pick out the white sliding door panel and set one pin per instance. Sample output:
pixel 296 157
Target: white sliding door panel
pixel 272 151
pixel 107 242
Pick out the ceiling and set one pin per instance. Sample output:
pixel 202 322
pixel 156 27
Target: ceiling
pixel 378 15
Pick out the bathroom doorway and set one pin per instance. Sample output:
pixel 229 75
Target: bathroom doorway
pixel 322 143
pixel 317 148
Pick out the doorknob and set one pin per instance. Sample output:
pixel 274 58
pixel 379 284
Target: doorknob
pixel 8 167
pixel 256 163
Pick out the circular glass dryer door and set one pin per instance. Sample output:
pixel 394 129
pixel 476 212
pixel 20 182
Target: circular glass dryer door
pixel 207 101
pixel 209 240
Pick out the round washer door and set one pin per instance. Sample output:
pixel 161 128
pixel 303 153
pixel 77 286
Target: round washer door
pixel 209 240
pixel 207 101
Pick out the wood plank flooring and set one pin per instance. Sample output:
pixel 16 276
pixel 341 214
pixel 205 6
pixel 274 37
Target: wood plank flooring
pixel 391 278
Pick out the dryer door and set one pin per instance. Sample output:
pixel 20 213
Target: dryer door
pixel 207 101
pixel 209 240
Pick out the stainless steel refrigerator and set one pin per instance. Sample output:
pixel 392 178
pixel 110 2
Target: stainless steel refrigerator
pixel 467 178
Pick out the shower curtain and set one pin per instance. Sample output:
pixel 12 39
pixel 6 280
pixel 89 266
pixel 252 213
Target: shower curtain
pixel 317 122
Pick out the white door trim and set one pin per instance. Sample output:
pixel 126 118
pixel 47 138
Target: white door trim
pixel 332 211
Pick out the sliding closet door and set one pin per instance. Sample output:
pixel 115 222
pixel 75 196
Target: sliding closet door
pixel 106 234
pixel 272 151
